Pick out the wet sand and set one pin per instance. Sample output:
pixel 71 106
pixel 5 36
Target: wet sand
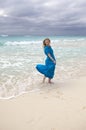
pixel 61 106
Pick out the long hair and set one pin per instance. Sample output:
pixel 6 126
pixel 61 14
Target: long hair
pixel 44 44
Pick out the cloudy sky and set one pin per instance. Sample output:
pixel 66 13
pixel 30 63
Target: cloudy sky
pixel 43 17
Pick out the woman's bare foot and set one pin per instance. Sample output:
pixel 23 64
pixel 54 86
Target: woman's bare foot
pixel 49 81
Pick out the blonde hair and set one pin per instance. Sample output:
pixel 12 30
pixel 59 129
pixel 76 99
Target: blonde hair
pixel 44 44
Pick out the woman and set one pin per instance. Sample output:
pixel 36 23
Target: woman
pixel 48 69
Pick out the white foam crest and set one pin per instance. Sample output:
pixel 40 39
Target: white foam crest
pixel 81 39
pixel 13 86
pixel 75 43
pixel 14 43
pixel 6 64
pixel 55 41
pixel 4 35
pixel 73 40
pixel 69 40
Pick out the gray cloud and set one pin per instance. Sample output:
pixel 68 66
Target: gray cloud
pixel 51 17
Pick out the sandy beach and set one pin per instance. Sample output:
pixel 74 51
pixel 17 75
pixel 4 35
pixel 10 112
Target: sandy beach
pixel 62 107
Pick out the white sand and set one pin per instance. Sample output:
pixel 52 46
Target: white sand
pixel 63 107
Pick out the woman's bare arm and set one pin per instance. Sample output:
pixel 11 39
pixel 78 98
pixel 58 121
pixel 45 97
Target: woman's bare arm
pixel 51 58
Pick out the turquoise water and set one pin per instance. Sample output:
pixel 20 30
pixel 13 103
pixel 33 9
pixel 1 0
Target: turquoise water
pixel 20 54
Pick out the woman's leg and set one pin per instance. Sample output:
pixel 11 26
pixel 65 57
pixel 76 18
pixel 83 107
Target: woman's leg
pixel 49 80
pixel 44 79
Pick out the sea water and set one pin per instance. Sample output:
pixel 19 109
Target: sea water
pixel 20 54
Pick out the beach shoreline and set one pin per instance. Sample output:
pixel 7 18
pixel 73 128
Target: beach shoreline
pixel 61 108
pixel 18 74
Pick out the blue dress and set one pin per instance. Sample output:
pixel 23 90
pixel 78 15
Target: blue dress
pixel 49 67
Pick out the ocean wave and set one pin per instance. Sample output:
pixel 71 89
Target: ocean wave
pixel 15 43
pixel 3 35
pixel 14 85
pixel 69 40
pixel 73 42
pixel 19 43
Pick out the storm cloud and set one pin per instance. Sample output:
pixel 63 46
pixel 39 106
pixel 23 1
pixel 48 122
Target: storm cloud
pixel 47 17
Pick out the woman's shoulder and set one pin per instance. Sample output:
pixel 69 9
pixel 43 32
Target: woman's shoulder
pixel 47 47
